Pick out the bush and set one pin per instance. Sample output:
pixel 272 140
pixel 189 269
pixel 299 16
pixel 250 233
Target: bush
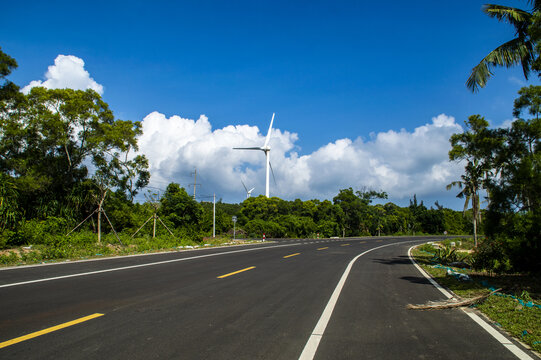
pixel 429 248
pixel 40 231
pixel 491 255
pixel 445 255
pixel 10 258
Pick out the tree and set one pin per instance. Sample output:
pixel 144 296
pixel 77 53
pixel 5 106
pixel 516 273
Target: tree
pixel 179 208
pixel 355 208
pixel 520 50
pixel 8 90
pixel 470 185
pixel 48 139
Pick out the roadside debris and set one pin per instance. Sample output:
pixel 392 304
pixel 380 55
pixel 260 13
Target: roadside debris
pixel 451 303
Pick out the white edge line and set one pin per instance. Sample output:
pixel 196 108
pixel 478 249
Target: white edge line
pixel 312 344
pixel 117 257
pixel 140 265
pixel 519 353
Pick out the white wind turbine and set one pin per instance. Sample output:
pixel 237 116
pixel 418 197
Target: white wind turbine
pixel 266 149
pixel 248 192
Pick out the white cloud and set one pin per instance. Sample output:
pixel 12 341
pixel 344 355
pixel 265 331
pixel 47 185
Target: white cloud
pixel 516 81
pixel 68 71
pixel 401 163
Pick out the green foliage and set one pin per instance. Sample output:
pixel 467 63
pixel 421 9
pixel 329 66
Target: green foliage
pixel 445 255
pixel 520 50
pixel 178 208
pixel 507 164
pixel 491 255
pixel 48 137
pixel 10 214
pixel 428 248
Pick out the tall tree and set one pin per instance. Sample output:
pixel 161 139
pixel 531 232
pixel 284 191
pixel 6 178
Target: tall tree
pixel 519 50
pixel 48 139
pixel 470 185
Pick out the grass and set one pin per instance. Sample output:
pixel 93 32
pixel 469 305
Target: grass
pixel 505 308
pixel 84 246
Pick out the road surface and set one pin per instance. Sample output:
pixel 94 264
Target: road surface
pixel 246 302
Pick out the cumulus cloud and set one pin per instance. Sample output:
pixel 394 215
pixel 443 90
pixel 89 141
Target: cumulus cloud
pixel 68 71
pixel 402 163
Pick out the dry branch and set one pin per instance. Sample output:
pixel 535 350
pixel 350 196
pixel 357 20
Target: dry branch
pixel 449 304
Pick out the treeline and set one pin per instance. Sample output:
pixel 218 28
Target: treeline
pixel 505 163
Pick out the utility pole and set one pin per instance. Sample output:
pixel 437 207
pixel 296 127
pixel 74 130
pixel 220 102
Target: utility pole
pixel 194 181
pixel 214 217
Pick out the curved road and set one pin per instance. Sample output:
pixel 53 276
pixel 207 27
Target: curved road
pixel 248 302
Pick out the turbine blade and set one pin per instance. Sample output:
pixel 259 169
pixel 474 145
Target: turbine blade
pixel 269 133
pixel 248 148
pixel 252 189
pixel 244 185
pixel 272 172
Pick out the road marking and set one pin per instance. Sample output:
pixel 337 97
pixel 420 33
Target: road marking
pixel 288 256
pixel 362 242
pixel 48 330
pixel 344 245
pixel 312 344
pixel 236 272
pixel 379 241
pixel 486 326
pixel 142 265
pixel 323 248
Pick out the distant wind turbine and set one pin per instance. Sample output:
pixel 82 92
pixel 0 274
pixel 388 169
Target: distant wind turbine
pixel 248 192
pixel 266 149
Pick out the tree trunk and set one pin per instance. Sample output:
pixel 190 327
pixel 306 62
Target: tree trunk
pixel 99 225
pixel 154 228
pixel 474 230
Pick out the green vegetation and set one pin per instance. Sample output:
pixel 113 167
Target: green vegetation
pixel 69 171
pixel 523 49
pixel 516 308
pixel 506 164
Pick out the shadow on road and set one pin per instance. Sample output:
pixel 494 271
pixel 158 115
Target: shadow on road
pixel 416 279
pixel 399 260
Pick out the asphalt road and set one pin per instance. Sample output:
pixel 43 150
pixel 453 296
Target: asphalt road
pixel 248 302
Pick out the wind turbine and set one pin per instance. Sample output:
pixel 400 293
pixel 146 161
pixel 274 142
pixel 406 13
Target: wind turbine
pixel 266 149
pixel 248 192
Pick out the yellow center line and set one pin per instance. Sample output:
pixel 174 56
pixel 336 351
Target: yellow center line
pixel 379 241
pixel 48 330
pixel 236 272
pixel 287 256
pixel 344 245
pixel 323 248
pixel 362 242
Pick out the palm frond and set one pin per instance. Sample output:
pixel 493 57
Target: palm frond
pixel 509 54
pixel 536 5
pixel 520 19
pixel 454 183
pixel 466 203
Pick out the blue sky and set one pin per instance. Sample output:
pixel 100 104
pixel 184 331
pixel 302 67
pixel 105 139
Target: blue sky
pixel 330 70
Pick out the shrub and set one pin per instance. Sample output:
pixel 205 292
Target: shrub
pixel 429 248
pixel 445 255
pixel 491 255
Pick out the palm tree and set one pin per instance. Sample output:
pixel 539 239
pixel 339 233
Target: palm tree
pixel 520 50
pixel 472 181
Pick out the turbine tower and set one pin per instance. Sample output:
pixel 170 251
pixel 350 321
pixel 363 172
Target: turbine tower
pixel 248 192
pixel 266 149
